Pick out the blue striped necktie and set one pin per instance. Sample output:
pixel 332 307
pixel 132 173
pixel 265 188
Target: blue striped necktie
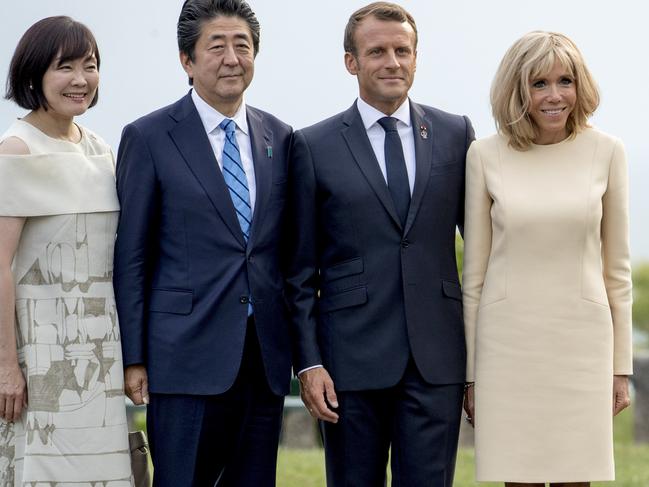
pixel 235 177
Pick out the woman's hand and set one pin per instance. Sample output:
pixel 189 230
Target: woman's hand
pixel 468 403
pixel 621 399
pixel 13 392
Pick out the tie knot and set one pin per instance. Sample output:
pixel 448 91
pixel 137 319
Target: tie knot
pixel 389 124
pixel 228 125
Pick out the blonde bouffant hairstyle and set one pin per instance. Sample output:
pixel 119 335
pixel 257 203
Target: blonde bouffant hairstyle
pixel 533 56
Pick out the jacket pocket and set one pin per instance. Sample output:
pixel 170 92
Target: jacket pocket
pixel 345 299
pixel 452 289
pixel 343 269
pixel 176 301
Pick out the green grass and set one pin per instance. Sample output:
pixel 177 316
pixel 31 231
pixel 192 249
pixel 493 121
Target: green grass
pixel 300 468
pixel 305 468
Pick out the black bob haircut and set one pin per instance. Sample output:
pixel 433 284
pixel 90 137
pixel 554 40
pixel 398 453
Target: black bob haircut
pixel 37 49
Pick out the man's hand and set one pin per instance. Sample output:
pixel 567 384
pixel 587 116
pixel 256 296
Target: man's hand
pixel 621 399
pixel 136 384
pixel 318 394
pixel 13 392
pixel 468 403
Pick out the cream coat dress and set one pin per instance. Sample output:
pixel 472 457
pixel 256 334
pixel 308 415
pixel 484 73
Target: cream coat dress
pixel 73 432
pixel 547 305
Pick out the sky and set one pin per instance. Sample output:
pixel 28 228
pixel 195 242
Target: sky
pixel 301 78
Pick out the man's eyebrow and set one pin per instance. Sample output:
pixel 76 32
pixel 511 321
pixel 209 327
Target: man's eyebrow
pixel 238 35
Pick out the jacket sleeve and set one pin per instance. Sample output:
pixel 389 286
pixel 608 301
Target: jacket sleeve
pixel 477 247
pixel 302 279
pixel 468 140
pixel 616 261
pixel 137 192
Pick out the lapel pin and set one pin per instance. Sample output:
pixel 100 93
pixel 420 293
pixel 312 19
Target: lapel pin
pixel 423 131
pixel 269 152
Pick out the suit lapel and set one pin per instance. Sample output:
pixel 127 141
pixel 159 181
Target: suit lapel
pixel 359 145
pixel 192 143
pixel 261 140
pixel 423 134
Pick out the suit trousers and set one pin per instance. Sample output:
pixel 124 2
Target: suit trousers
pixel 225 440
pixel 418 423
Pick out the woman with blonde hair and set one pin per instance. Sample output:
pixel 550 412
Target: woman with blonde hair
pixel 547 279
pixel 62 414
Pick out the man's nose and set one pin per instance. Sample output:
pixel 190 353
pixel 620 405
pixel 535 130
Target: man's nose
pixel 230 56
pixel 393 60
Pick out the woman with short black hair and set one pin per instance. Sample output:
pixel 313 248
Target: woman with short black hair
pixel 62 415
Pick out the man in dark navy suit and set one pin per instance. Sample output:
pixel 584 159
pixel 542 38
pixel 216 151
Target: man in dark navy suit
pixel 197 277
pixel 376 195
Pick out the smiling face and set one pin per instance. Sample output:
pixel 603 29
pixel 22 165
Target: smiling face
pixel 70 86
pixel 552 100
pixel 384 63
pixel 223 63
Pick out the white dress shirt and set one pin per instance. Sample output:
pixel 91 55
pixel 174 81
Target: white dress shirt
pixel 376 134
pixel 211 119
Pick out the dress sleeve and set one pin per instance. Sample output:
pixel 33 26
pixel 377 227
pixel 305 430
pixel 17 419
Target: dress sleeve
pixel 477 247
pixel 616 260
pixel 56 184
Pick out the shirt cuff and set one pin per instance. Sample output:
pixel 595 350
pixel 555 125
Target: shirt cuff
pixel 309 368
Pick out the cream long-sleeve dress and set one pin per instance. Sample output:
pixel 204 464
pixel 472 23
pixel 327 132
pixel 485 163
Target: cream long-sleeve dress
pixel 73 432
pixel 547 305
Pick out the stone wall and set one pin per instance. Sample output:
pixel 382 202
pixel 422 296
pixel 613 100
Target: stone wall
pixel 640 380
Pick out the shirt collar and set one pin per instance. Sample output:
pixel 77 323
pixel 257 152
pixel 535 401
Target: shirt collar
pixel 371 115
pixel 211 118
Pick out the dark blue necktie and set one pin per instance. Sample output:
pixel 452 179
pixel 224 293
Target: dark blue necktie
pixel 235 177
pixel 395 168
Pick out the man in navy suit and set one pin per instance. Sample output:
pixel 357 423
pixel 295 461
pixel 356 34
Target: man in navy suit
pixel 376 195
pixel 197 277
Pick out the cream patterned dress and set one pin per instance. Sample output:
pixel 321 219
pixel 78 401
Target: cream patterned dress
pixel 547 305
pixel 74 432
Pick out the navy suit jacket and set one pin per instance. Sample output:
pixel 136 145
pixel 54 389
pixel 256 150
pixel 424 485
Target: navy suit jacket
pixel 366 293
pixel 183 272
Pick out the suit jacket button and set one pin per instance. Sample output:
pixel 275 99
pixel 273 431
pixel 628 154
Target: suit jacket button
pixel 244 300
pixel 405 243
